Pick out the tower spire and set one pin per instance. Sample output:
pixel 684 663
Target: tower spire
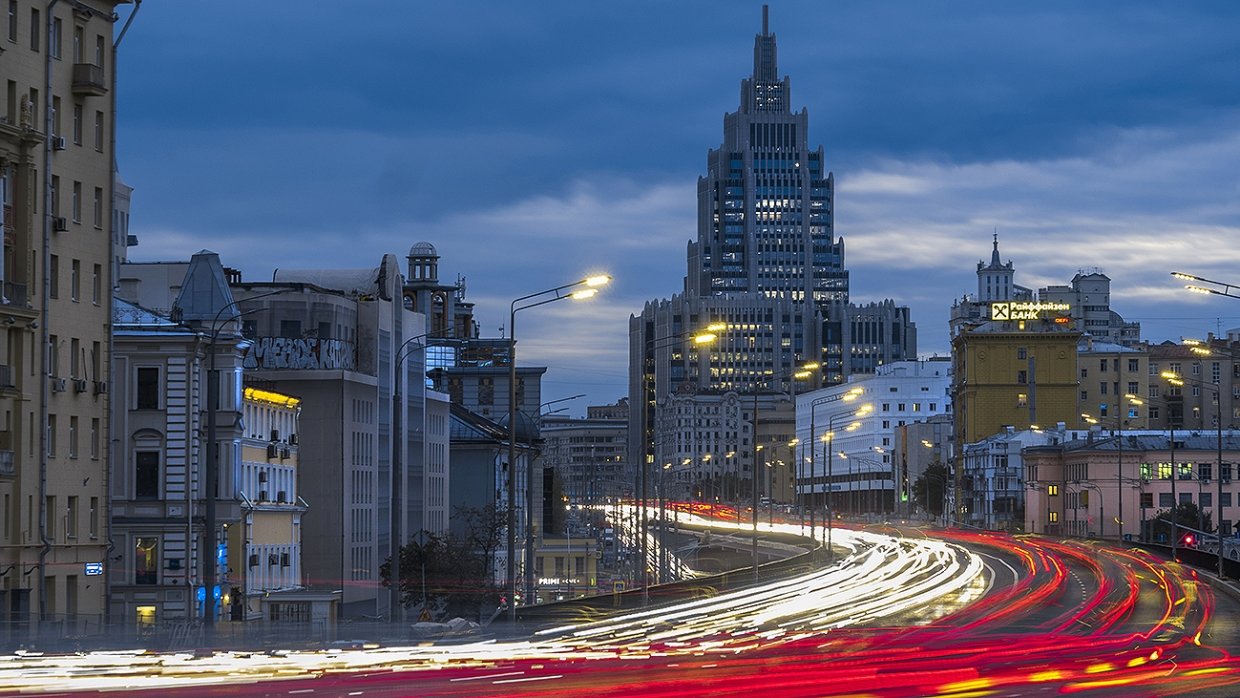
pixel 994 256
pixel 765 15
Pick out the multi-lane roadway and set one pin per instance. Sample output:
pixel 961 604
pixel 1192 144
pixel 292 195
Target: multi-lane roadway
pixel 901 612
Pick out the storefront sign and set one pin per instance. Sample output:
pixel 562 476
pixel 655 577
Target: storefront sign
pixel 1026 310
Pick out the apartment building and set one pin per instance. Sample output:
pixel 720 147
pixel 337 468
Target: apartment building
pixel 56 164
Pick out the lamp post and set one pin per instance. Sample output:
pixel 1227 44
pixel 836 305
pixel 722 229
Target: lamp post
pixel 210 558
pixel 1177 380
pixel 647 457
pixel 848 396
pixel 557 293
pixel 829 447
pixel 404 351
pixel 801 373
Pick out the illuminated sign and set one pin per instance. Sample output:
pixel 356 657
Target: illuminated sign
pixel 93 569
pixel 1025 310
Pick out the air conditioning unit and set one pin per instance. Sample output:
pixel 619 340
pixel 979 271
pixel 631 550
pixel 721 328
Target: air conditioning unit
pixel 273 450
pixel 262 477
pixel 59 224
pixel 79 385
pixel 253 559
pixel 58 385
pixel 284 560
pixel 273 559
pixel 275 434
pixel 281 496
pixel 262 495
pixel 101 387
pixel 292 438
pixel 285 454
pixel 58 143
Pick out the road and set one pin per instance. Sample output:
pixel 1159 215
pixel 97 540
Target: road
pixel 903 612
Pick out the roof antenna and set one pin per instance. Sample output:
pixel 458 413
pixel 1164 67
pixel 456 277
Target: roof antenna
pixel 765 31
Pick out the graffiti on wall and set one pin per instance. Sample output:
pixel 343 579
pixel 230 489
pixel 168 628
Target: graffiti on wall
pixel 301 354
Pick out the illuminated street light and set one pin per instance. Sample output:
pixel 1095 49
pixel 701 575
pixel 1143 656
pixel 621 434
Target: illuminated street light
pixel 1226 289
pixel 557 293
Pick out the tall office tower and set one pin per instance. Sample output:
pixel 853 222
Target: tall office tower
pixel 55 307
pixel 767 263
pixel 765 206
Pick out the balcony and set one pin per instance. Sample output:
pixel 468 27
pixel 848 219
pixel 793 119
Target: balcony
pixel 88 80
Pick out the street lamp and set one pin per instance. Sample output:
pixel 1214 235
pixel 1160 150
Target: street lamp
pixel 1177 380
pixel 829 447
pixel 800 373
pixel 647 456
pixel 403 352
pixel 557 293
pixel 1226 289
pixel 210 558
pixel 848 396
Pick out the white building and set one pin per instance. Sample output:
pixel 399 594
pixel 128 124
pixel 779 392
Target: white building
pixel 852 456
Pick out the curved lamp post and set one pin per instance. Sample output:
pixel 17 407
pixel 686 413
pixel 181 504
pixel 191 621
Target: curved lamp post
pixel 585 288
pixel 210 558
pixel 647 456
pixel 1177 380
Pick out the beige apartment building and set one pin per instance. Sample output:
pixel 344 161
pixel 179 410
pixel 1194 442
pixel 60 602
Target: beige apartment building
pixel 56 179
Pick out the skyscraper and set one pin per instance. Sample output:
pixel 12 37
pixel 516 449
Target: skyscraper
pixel 767 263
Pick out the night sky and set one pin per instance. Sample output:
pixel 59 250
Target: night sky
pixel 536 143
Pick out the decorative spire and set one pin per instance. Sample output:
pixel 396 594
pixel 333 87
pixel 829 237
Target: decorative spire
pixel 764 92
pixel 994 256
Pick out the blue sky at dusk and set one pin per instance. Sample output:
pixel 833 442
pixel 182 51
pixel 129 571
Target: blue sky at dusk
pixel 534 143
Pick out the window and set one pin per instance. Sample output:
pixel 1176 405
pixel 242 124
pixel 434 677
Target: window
pixel 97 209
pixel 1186 470
pixel 99 50
pixel 1021 353
pixel 1084 373
pixel 77 43
pixel 99 131
pixel 1102 388
pixel 1186 498
pixel 53 277
pixel 1022 377
pixel 77 202
pixel 51 435
pixel 56 130
pixel 1052 517
pixel 96 283
pixel 94 438
pixel 1147 500
pixel 71 517
pixel 148 388
pixel 55 195
pixel 1207 499
pixel 53 41
pixel 1133 365
pixel 77 123
pixel 146 561
pixel 73 436
pixel 93 518
pixel 146 475
pixel 1052 490
pixel 1102 365
pixel 35 24
pixel 1205 471
pixel 75 283
pixel 13 21
pixel 1164 471
pixel 1022 399
pixel 1165 500
pixel 1225 499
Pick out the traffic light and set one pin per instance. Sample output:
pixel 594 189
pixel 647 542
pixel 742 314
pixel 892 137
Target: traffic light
pixel 1187 539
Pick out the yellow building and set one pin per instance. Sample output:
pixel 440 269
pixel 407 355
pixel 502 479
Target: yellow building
pixel 265 549
pixel 566 567
pixel 1018 373
pixel 56 106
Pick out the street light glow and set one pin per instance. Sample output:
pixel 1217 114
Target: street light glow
pixel 600 280
pixel 584 294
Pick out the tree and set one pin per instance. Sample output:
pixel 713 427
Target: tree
pixel 930 488
pixel 1186 515
pixel 452 575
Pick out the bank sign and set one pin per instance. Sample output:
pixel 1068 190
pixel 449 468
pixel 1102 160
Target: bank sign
pixel 1026 310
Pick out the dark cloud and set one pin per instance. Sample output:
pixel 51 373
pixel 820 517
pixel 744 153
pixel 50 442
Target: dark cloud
pixel 533 141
